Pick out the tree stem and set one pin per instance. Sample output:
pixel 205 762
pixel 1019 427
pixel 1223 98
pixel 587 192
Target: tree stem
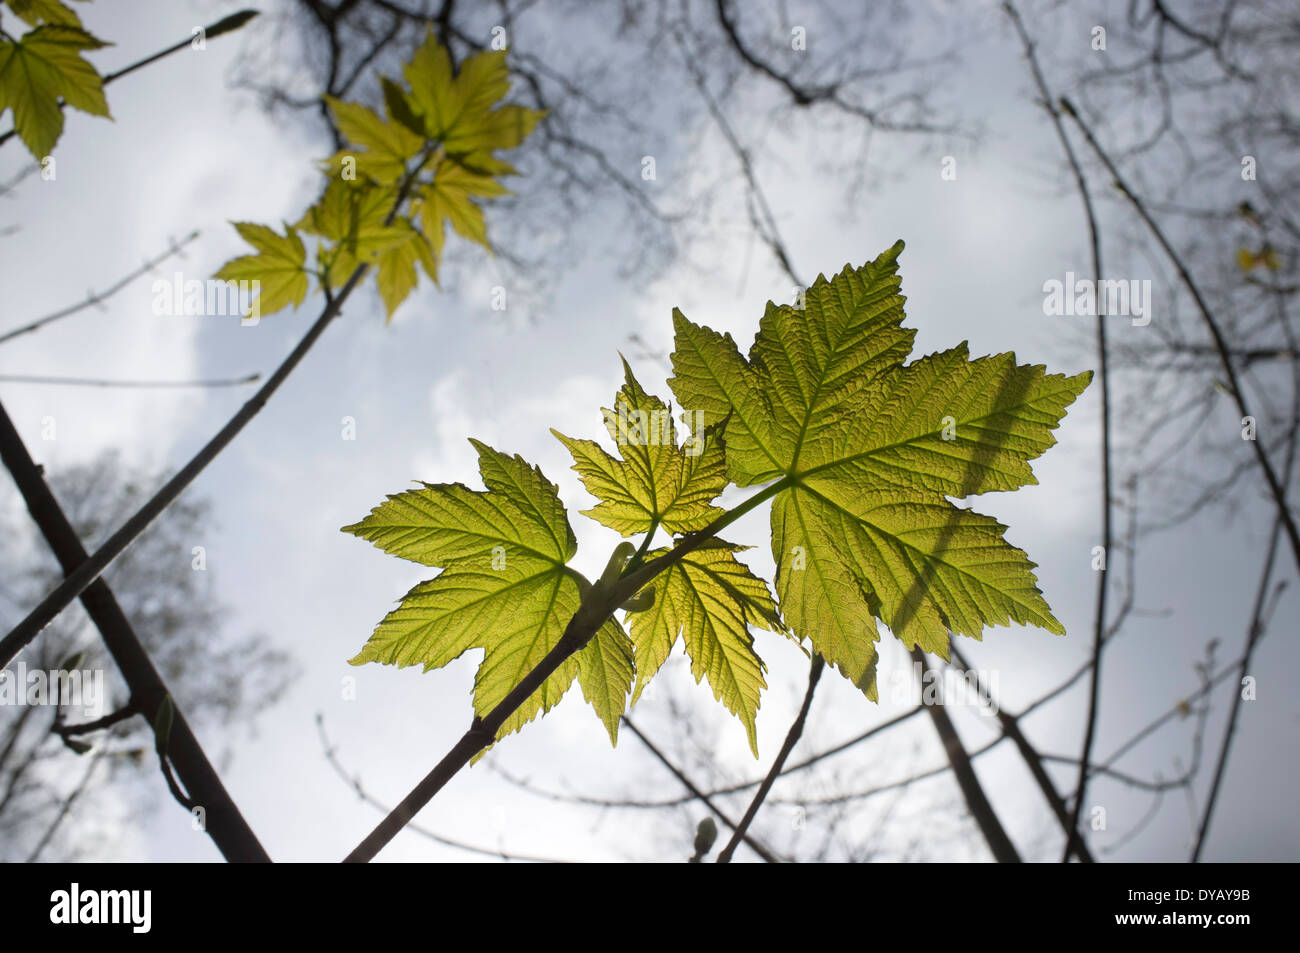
pixel 224 823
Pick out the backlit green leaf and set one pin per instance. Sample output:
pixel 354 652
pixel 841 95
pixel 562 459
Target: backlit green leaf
pixel 504 588
pixel 36 12
pixel 430 159
pixel 279 267
pixel 41 67
pixel 871 450
pixel 387 146
pixel 449 198
pixel 655 480
pixel 605 672
pixel 863 453
pixel 709 599
pixel 458 110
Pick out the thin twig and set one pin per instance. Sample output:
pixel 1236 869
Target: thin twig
pixel 132 384
pixel 115 545
pixel 1032 759
pixel 761 216
pixel 1103 382
pixel 1255 628
pixel 65 807
pixel 791 738
pixel 225 25
pixel 98 297
pixel 1211 323
pixel 1177 710
pixel 804 95
pixel 716 792
pixel 699 795
pixel 596 608
pixel 66 731
pixel 354 782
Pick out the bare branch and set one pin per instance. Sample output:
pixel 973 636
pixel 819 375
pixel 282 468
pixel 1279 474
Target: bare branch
pixel 96 298
pixel 1004 852
pixel 354 782
pixel 225 825
pixel 791 739
pixel 225 25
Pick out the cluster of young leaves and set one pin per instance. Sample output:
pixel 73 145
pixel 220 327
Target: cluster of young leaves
pixel 861 454
pixel 404 175
pixel 709 598
pixel 43 69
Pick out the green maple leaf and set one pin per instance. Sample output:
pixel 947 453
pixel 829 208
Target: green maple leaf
pixel 401 108
pixel 35 12
pixel 396 276
pixel 654 482
pixel 386 146
pixel 450 124
pixel 605 673
pixel 279 266
pixel 354 215
pixel 862 453
pixel 460 109
pixel 505 588
pixel 41 68
pixel 449 198
pixel 867 451
pixel 709 599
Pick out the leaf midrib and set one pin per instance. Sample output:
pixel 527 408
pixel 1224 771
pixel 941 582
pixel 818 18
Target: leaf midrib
pixel 797 476
pixel 836 352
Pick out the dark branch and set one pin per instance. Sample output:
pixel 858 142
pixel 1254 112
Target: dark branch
pixel 791 738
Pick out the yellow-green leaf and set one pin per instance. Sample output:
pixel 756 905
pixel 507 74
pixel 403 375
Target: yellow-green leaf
pixel 354 215
pixel 35 12
pixel 386 145
pixel 449 198
pixel 713 379
pixel 709 599
pixel 605 672
pixel 654 480
pixel 504 588
pixel 457 109
pixel 504 128
pixel 871 451
pixel 397 276
pixel 278 267
pixel 400 108
pixel 443 523
pixel 460 113
pixel 42 67
pixel 515 614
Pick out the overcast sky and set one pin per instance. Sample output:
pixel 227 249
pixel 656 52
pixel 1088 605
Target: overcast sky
pixel 187 151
